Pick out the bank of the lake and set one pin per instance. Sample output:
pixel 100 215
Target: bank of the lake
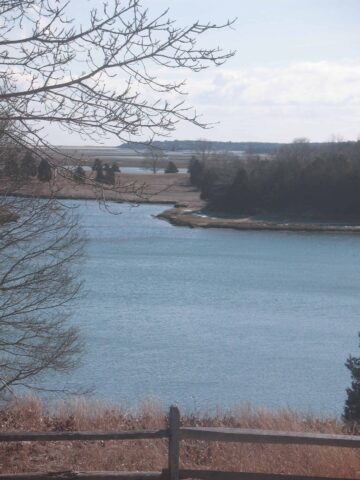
pixel 188 216
pixel 170 190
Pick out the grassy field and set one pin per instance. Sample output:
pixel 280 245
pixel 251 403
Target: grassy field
pixel 30 414
pixel 149 188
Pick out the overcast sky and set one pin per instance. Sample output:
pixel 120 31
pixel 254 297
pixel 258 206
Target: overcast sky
pixel 296 72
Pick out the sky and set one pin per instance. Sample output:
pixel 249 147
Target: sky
pixel 296 72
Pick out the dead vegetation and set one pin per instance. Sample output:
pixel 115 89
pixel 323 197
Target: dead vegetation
pixel 31 415
pixel 137 188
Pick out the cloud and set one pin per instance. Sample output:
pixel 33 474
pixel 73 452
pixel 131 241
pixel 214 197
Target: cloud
pixel 311 99
pixel 302 83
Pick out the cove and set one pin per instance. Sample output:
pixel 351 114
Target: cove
pixel 212 318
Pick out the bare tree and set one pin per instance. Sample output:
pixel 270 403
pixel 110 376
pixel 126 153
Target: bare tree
pixel 103 76
pixel 204 149
pixel 38 247
pixel 153 158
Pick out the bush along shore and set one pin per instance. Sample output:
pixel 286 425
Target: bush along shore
pixel 303 187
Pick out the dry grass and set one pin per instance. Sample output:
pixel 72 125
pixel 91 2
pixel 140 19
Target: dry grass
pixel 152 188
pixel 30 415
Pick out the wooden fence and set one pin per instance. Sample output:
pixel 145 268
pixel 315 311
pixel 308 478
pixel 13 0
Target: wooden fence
pixel 174 433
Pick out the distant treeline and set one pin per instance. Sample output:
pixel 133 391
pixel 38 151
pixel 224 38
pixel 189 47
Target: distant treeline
pixel 257 148
pixel 301 178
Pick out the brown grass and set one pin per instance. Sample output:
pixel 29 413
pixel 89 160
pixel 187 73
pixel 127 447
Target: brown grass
pixel 31 415
pixel 152 188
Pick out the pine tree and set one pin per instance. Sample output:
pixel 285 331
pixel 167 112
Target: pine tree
pixel 96 165
pixel 98 169
pixel 171 168
pixel 79 174
pixel 196 171
pixel 352 403
pixel 28 166
pixel 11 169
pixel 109 176
pixel 44 171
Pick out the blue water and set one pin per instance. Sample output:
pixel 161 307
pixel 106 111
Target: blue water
pixel 210 317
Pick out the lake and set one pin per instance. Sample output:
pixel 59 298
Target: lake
pixel 210 317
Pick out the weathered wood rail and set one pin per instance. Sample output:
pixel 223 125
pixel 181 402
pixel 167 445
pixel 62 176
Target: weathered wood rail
pixel 174 433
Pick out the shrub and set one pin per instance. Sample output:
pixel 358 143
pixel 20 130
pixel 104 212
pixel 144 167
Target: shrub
pixel 44 171
pixel 352 403
pixel 171 168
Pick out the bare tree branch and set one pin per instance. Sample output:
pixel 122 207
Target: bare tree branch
pixel 37 283
pixel 103 78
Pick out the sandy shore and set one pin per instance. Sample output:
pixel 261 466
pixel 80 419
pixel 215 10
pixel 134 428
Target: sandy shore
pixel 195 218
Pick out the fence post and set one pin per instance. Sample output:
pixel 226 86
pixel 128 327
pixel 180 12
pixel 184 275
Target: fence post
pixel 174 443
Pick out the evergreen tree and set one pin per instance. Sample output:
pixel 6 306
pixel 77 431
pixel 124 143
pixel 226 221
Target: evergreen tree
pixel 109 175
pixel 209 184
pixel 11 169
pixel 79 174
pixel 196 170
pixel 98 169
pixel 238 194
pixel 44 171
pixel 171 168
pixel 97 164
pixel 352 403
pixel 28 166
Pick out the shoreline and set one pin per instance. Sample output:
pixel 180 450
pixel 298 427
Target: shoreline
pixel 186 209
pixel 184 215
pixel 92 198
pixel 191 217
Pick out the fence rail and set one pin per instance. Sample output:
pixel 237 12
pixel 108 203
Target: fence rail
pixel 84 436
pixel 86 476
pixel 174 433
pixel 163 475
pixel 269 436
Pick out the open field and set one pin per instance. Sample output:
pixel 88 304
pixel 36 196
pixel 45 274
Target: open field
pixel 148 188
pixel 30 415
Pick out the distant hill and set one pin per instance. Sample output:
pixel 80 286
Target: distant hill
pixel 198 145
